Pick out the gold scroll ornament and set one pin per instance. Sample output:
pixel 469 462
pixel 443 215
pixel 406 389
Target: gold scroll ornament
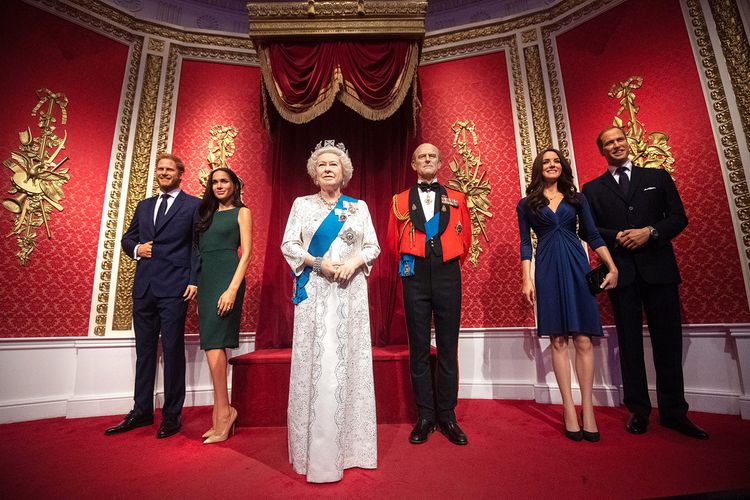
pixel 650 151
pixel 221 147
pixel 469 181
pixel 37 178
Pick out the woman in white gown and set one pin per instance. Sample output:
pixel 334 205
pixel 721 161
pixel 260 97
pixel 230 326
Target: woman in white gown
pixel 330 244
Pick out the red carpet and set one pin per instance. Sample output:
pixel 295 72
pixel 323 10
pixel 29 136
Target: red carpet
pixel 516 450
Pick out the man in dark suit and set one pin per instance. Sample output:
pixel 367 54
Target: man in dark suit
pixel 160 238
pixel 429 226
pixel 638 213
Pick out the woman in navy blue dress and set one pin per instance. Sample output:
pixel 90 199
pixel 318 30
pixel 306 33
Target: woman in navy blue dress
pixel 565 306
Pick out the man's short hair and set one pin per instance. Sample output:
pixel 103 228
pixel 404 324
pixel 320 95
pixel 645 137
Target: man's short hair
pixel 175 159
pixel 599 142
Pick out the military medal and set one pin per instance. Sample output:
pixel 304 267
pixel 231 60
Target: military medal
pixel 459 227
pixel 428 198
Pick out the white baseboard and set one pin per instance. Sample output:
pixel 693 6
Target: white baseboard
pixel 84 377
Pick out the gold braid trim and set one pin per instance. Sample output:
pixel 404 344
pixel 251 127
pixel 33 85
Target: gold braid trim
pixel 403 218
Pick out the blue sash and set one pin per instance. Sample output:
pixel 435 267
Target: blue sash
pixel 319 245
pixel 406 263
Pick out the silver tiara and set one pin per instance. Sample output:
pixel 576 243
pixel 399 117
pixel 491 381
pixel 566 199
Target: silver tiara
pixel 331 143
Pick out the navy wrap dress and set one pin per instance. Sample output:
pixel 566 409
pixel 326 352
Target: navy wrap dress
pixel 565 306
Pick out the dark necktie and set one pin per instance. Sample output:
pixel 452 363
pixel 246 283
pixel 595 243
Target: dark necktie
pixel 424 186
pixel 162 212
pixel 624 180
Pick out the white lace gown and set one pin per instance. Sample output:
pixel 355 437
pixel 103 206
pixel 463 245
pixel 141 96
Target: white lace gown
pixel 331 412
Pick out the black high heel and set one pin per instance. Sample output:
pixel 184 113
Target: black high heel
pixel 591 437
pixel 572 435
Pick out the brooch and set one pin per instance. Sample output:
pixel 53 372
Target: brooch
pixel 459 227
pixel 348 236
pixel 350 207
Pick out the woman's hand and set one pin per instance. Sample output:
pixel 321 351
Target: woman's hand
pixel 226 302
pixel 610 280
pixel 529 291
pixel 346 270
pixel 328 269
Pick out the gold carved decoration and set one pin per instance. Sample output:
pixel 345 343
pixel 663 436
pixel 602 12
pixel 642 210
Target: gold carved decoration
pixel 137 184
pixel 221 147
pixel 650 151
pixel 37 178
pixel 538 99
pixel 730 150
pixel 468 180
pixel 404 18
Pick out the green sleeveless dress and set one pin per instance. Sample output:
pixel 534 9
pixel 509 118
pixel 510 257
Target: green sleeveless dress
pixel 218 249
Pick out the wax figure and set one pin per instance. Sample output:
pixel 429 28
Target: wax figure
pixel 430 228
pixel 224 227
pixel 330 244
pixel 638 213
pixel 160 238
pixel 565 305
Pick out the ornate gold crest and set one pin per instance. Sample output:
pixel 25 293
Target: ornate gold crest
pixel 650 151
pixel 469 181
pixel 37 178
pixel 221 147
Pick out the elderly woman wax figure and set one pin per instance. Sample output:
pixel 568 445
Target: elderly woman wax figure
pixel 330 244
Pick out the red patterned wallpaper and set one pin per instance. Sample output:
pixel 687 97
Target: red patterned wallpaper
pixel 51 296
pixel 477 88
pixel 224 94
pixel 646 38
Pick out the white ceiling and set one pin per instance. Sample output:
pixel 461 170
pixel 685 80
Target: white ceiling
pixel 231 15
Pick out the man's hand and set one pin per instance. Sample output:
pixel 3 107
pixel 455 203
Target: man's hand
pixel 144 249
pixel 190 293
pixel 632 239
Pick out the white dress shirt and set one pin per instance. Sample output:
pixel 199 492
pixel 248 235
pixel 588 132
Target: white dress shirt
pixel 427 208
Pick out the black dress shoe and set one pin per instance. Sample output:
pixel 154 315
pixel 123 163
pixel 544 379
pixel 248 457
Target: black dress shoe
pixel 637 424
pixel 687 428
pixel 421 431
pixel 131 421
pixel 453 432
pixel 168 427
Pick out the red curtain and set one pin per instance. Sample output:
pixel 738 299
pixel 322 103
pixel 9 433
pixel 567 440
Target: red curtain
pixel 372 78
pixel 380 152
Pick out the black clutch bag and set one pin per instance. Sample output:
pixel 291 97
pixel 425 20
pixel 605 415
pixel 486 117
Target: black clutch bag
pixel 595 277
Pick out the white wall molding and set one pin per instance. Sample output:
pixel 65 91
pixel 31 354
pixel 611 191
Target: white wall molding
pixel 91 376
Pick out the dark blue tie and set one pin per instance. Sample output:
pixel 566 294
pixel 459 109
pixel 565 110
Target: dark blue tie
pixel 624 179
pixel 162 212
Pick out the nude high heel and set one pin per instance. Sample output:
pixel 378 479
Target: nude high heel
pixel 209 432
pixel 218 438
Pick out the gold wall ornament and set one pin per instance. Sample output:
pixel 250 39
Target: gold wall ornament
pixel 469 181
pixel 37 178
pixel 650 151
pixel 221 147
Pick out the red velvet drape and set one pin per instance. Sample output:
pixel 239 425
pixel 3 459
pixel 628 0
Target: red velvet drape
pixel 304 79
pixel 380 152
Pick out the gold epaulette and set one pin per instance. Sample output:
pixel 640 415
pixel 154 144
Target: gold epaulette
pixel 403 218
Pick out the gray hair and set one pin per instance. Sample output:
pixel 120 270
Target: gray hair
pixel 346 164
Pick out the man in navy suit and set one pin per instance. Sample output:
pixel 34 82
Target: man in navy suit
pixel 638 213
pixel 160 238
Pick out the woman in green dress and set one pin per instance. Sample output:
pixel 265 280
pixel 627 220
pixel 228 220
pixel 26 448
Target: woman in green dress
pixel 223 227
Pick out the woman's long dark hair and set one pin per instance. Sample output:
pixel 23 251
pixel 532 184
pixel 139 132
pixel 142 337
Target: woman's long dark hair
pixel 535 198
pixel 210 203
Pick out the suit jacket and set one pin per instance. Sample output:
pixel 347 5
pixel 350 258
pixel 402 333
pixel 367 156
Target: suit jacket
pixel 406 231
pixel 652 200
pixel 174 259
